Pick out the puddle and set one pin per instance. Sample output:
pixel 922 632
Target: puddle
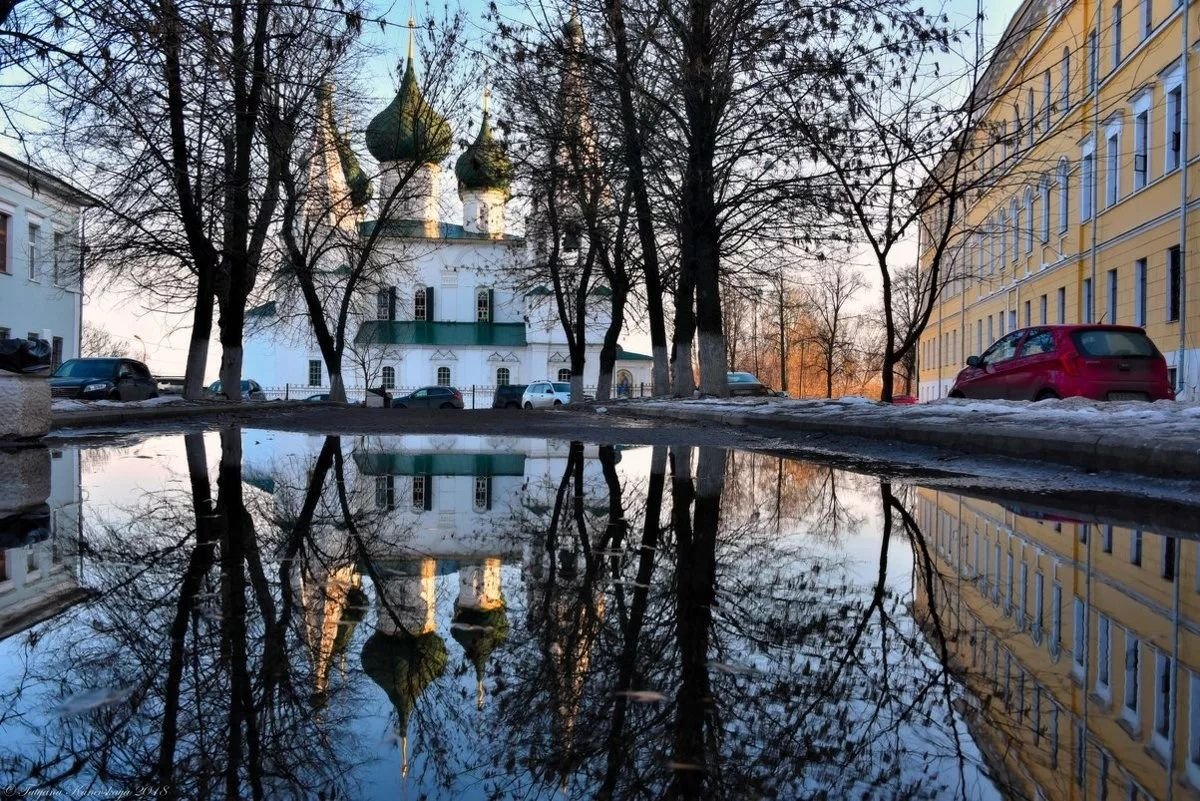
pixel 251 613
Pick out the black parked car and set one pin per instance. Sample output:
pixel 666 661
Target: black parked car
pixel 508 396
pixel 103 379
pixel 430 398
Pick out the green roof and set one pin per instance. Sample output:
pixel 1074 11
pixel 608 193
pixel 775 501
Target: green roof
pixel 412 332
pixel 417 229
pixel 629 356
pixel 268 309
pixel 384 463
pixel 539 291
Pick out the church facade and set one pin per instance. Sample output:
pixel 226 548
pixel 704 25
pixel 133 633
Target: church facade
pixel 450 303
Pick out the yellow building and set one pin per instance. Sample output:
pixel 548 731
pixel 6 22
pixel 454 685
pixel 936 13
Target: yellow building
pixel 1076 209
pixel 1080 644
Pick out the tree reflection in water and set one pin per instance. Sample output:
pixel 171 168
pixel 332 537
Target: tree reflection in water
pixel 694 631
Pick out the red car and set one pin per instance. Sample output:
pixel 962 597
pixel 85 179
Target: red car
pixel 1100 362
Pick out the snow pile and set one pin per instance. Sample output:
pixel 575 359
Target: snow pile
pixel 69 405
pixel 1159 419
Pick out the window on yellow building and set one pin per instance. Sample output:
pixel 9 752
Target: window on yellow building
pixel 1087 185
pixel 1110 314
pixel 1064 90
pixel 1141 143
pixel 1064 193
pixel 1028 313
pixel 1174 276
pixel 1014 211
pixel 1147 18
pixel 1168 558
pixel 1135 547
pixel 1139 292
pixel 1132 675
pixel 1103 659
pixel 1044 190
pixel 1078 634
pixel 1042 312
pixel 1089 301
pixel 1038 602
pixel 1093 60
pixel 1163 665
pixel 1030 219
pixel 1112 171
pixel 1174 126
pixel 1116 34
pixel 1047 100
pixel 1062 305
pixel 1030 116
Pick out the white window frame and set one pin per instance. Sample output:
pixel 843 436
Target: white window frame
pixel 1160 735
pixel 1140 270
pixel 1193 757
pixel 1038 606
pixel 33 235
pixel 1079 623
pixel 1117 30
pixel 1064 91
pixel 1131 696
pixel 1060 300
pixel 1044 190
pixel 1112 164
pixel 1055 619
pixel 1147 18
pixel 1142 136
pixel 1103 687
pixel 1030 216
pixel 1087 179
pixel 1111 287
pixel 1172 83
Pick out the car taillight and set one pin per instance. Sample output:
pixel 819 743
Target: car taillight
pixel 1072 363
pixel 457 395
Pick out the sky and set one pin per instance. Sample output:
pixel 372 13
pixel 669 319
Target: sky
pixel 161 338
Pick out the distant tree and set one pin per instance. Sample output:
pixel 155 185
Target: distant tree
pixel 834 332
pixel 97 341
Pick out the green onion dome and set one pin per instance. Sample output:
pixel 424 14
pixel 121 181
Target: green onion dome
pixel 404 665
pixel 484 164
pixel 409 129
pixel 479 632
pixel 356 179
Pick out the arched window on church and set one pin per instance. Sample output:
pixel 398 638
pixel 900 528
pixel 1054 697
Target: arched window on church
pixel 483 306
pixel 421 304
pixel 564 374
pixel 624 384
pixel 389 378
pixel 443 376
pixel 503 377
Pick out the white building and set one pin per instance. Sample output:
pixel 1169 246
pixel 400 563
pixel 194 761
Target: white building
pixel 40 290
pixel 449 307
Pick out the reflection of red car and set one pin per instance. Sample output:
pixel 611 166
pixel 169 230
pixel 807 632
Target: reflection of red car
pixel 1100 362
pixel 903 400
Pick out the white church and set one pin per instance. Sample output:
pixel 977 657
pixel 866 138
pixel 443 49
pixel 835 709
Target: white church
pixel 450 306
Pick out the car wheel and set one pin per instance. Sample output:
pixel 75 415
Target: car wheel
pixel 557 404
pixel 958 395
pixel 528 405
pixel 446 406
pixel 512 406
pixel 153 395
pixel 1047 394
pixel 114 396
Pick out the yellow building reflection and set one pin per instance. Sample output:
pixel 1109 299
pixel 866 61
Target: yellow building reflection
pixel 1079 640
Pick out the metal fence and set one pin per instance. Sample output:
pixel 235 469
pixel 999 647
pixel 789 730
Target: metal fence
pixel 475 396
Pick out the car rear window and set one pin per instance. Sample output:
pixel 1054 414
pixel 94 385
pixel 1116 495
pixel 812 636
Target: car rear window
pixel 742 378
pixel 1120 344
pixel 562 387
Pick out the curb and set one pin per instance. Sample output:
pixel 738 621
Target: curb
pixel 63 420
pixel 1121 452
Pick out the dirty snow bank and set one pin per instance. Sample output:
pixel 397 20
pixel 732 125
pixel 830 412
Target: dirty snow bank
pixel 70 405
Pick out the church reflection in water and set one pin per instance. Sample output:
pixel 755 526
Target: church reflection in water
pixel 255 614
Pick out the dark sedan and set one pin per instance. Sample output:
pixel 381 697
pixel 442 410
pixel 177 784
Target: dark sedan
pixel 430 398
pixel 508 396
pixel 103 379
pixel 743 385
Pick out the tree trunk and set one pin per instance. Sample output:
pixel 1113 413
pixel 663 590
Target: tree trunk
pixel 231 365
pixel 197 358
pixel 637 186
pixel 608 350
pixel 829 374
pixel 337 387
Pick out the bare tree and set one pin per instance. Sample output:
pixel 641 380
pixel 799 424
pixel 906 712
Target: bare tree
pixel 832 287
pixel 97 341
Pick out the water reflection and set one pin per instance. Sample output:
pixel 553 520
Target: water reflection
pixel 270 615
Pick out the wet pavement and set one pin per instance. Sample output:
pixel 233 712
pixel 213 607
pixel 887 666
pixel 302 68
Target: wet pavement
pixel 484 615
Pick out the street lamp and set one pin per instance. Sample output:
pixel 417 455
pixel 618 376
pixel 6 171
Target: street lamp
pixel 143 343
